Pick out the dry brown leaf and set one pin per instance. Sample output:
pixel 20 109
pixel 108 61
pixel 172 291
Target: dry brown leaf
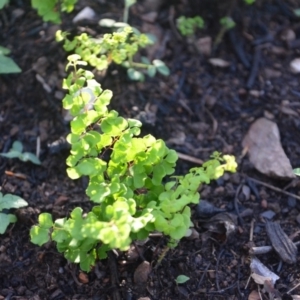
pixel 265 150
pixel 204 45
pixel 219 62
pixel 259 269
pixel 254 295
pixel 259 279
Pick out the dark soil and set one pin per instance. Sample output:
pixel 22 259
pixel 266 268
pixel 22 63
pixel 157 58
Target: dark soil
pixel 199 108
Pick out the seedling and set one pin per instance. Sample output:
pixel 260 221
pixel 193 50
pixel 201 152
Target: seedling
pixel 131 191
pixel 7 202
pixel 128 3
pixel 188 26
pixel 182 279
pixel 7 65
pixel 16 152
pixel 119 47
pixel 227 23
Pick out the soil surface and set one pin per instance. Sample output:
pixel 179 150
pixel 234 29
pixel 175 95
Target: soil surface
pixel 201 107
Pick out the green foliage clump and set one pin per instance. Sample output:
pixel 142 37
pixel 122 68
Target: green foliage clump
pixel 119 47
pixel 7 202
pixel 17 152
pixel 7 65
pixel 128 179
pixel 50 10
pixel 188 26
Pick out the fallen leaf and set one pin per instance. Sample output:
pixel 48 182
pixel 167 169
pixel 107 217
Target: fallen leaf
pixel 258 268
pixel 254 295
pixel 204 45
pixel 265 150
pixel 259 279
pixel 219 62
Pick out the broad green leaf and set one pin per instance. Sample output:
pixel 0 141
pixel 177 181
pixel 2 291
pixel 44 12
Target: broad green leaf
pixel 5 220
pixel 12 154
pixel 27 156
pixel 39 235
pixel 161 67
pixel 17 146
pixel 87 260
pixel 3 50
pixel 7 65
pixel 181 279
pixel 45 220
pixel 11 201
pixel 297 171
pixel 135 75
pixel 151 71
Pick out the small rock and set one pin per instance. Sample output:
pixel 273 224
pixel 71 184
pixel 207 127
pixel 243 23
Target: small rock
pixel 150 16
pixel 194 234
pixel 268 214
pixel 298 219
pixel 85 14
pixel 295 65
pixel 264 203
pixel 83 278
pixel 255 93
pixel 292 201
pixel 142 272
pixel 271 73
pixel 288 35
pixel 219 62
pixel 246 192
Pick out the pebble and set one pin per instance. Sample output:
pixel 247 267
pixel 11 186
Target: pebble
pixel 295 65
pixel 298 219
pixel 292 202
pixel 86 14
pixel 264 203
pixel 268 214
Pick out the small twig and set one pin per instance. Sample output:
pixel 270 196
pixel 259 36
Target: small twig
pixel 265 249
pixel 172 23
pixel 255 67
pixel 114 276
pixel 217 269
pixel 38 147
pixel 238 282
pixel 138 251
pixel 190 158
pixel 293 288
pixel 274 188
pixel 251 230
pixel 238 48
pixel 236 204
pixel 215 124
pixel 162 256
pixel 202 277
